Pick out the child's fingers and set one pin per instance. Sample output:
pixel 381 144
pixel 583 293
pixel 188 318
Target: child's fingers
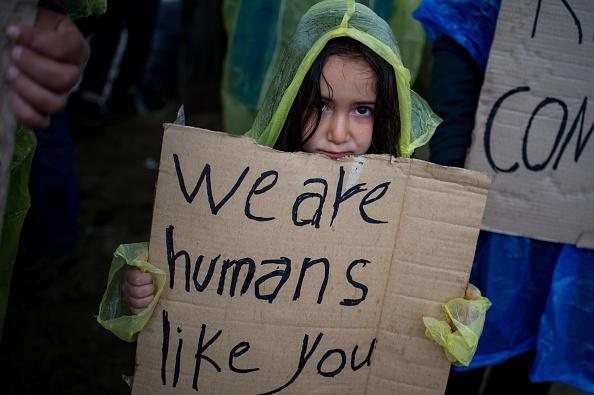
pixel 136 277
pixel 140 303
pixel 136 305
pixel 54 75
pixel 41 99
pixel 27 115
pixel 472 293
pixel 139 291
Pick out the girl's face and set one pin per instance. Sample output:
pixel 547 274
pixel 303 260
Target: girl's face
pixel 348 90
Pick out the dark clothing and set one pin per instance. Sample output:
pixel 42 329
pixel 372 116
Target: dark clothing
pixel 454 91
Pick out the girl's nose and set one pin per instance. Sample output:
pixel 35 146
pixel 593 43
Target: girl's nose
pixel 339 129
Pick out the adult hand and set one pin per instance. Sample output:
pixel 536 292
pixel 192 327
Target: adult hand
pixel 47 60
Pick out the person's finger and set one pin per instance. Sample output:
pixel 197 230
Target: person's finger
pixel 139 303
pixel 43 100
pixel 66 45
pixel 54 75
pixel 27 115
pixel 141 291
pixel 472 292
pixel 137 277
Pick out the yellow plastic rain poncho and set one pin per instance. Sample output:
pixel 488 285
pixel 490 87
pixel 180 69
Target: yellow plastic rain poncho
pixel 323 22
pixel 253 47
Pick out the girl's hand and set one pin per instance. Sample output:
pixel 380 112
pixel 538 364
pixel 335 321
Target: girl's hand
pixel 46 62
pixel 472 293
pixel 459 332
pixel 138 289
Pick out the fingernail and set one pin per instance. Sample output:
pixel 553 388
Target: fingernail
pixel 13 32
pixel 11 73
pixel 17 52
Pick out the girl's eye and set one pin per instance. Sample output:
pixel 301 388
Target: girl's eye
pixel 364 110
pixel 323 107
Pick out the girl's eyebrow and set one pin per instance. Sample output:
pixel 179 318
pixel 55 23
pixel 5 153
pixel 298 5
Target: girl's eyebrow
pixel 358 103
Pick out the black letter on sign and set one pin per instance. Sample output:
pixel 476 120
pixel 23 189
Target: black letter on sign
pixel 340 197
pixel 238 264
pixel 573 15
pixel 256 191
pixel 358 285
pixel 214 207
pixel 368 199
pixel 303 358
pixel 541 105
pixel 177 359
pixel 199 357
pixel 536 16
pixel 237 351
pixel 581 143
pixel 366 361
pixel 283 274
pixel 307 263
pixel 489 126
pixel 201 287
pixel 165 346
pixel 326 356
pixel 315 219
pixel 172 257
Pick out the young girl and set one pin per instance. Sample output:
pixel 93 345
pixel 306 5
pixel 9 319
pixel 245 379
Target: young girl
pixel 340 89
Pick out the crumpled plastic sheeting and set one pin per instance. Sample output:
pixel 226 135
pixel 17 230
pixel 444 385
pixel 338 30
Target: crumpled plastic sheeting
pixel 256 30
pixel 322 22
pixel 17 205
pixel 542 301
pixel 565 342
pixel 467 316
pixel 113 312
pixel 471 23
pixel 82 8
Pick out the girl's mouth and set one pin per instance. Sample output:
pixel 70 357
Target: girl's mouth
pixel 335 155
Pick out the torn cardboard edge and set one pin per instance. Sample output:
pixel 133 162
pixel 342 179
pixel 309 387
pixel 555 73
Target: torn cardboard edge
pixel 457 175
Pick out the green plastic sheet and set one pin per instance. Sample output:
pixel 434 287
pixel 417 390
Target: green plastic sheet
pixel 17 205
pixel 82 8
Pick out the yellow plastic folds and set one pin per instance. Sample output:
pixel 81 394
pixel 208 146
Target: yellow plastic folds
pixel 113 312
pixel 323 22
pixel 467 316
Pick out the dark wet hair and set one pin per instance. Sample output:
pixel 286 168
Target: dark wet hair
pixel 386 118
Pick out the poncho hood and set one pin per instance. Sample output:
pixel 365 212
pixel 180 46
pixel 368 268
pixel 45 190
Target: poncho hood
pixel 324 21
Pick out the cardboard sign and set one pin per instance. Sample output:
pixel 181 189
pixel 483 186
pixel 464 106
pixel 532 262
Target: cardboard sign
pixel 535 121
pixel 10 12
pixel 293 272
